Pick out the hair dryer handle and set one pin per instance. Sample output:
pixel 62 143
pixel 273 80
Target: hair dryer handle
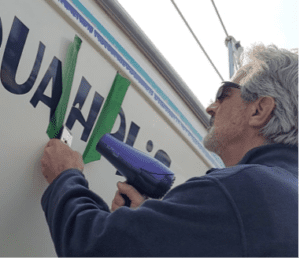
pixel 127 200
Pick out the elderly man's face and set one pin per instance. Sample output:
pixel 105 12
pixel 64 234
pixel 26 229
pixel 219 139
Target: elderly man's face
pixel 228 122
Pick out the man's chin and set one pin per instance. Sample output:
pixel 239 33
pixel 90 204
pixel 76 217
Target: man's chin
pixel 207 141
pixel 210 142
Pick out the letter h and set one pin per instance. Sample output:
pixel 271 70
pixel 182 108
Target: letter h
pixel 76 114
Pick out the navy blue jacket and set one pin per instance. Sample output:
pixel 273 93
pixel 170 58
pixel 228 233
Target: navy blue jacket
pixel 250 209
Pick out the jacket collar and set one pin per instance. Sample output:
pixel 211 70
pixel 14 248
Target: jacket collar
pixel 272 155
pixel 280 155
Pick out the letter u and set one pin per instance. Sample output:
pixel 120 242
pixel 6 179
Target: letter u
pixel 11 59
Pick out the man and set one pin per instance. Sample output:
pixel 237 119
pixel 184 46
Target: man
pixel 249 208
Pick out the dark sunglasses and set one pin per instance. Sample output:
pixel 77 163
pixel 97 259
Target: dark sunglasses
pixel 224 89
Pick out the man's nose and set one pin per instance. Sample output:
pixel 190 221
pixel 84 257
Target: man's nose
pixel 211 109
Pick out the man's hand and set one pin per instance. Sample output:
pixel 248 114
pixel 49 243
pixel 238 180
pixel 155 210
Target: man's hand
pixel 123 188
pixel 59 157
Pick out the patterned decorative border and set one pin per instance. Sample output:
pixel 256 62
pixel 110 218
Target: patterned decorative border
pixel 214 159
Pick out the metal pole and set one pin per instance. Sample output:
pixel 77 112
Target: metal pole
pixel 219 17
pixel 196 39
pixel 230 54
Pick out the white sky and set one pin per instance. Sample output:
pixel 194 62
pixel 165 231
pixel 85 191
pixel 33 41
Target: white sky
pixel 265 21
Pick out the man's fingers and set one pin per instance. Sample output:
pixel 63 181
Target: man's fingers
pixel 58 157
pixel 117 202
pixel 119 199
pixel 136 198
pixel 51 142
pixel 128 190
pixel 123 186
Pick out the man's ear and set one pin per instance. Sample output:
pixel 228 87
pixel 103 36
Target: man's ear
pixel 262 111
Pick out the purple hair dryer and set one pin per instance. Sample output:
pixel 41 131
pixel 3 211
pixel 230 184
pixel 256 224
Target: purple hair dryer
pixel 147 175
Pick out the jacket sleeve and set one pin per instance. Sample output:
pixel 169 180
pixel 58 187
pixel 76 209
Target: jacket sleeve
pixel 189 221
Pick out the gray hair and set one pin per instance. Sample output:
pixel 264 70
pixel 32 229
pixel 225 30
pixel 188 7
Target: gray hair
pixel 270 71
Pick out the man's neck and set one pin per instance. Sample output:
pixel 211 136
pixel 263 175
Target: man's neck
pixel 232 154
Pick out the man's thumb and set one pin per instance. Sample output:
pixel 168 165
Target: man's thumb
pixel 128 190
pixel 123 187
